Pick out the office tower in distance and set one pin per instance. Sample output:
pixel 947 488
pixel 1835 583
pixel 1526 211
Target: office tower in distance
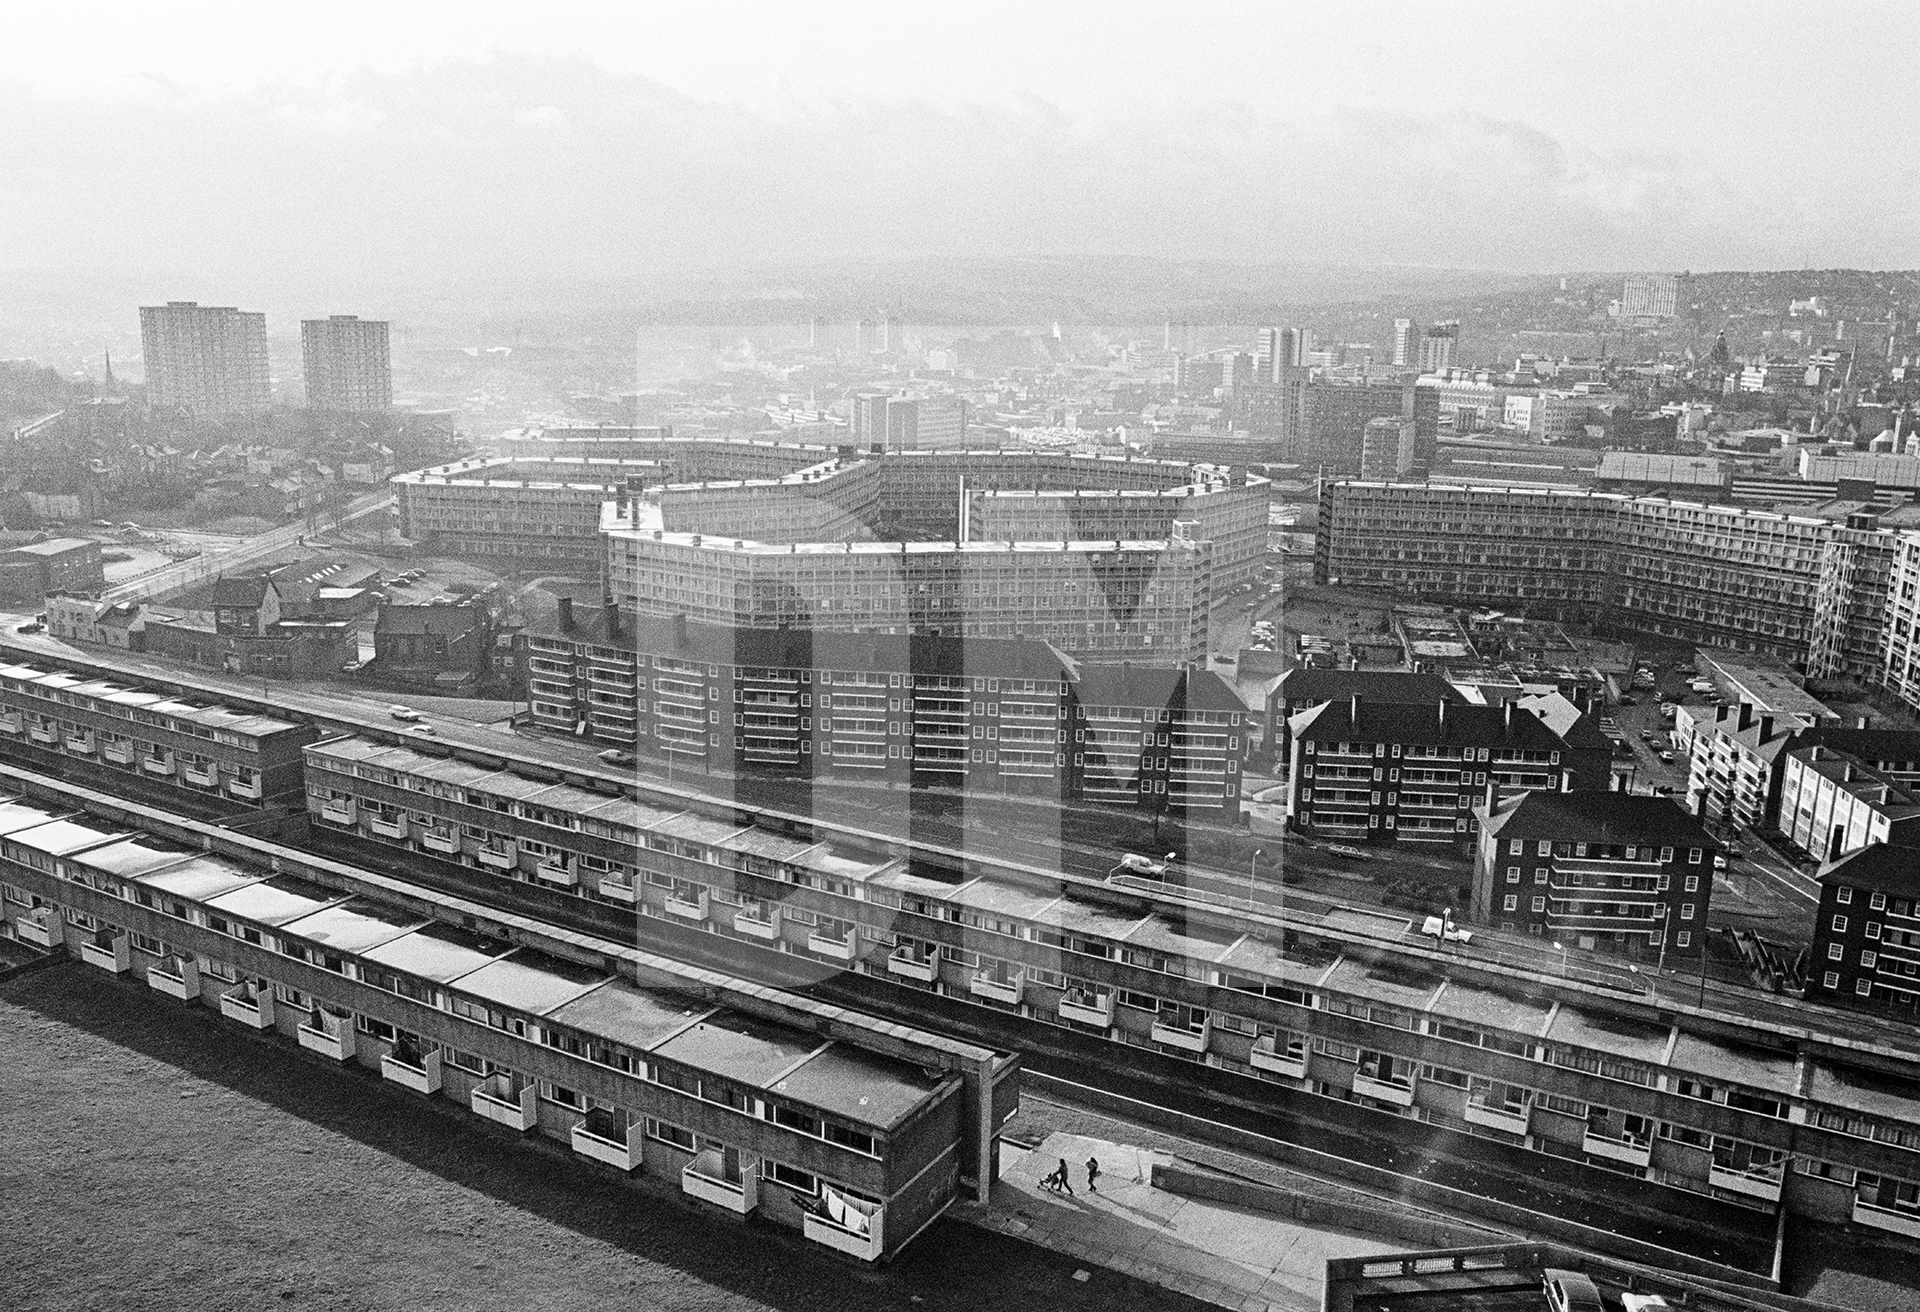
pixel 1404 349
pixel 864 337
pixel 903 423
pixel 1387 448
pixel 942 423
pixel 210 360
pixel 346 364
pixel 1279 349
pixel 869 419
pixel 1650 296
pixel 1438 345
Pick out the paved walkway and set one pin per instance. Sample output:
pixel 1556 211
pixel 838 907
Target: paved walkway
pixel 1230 1256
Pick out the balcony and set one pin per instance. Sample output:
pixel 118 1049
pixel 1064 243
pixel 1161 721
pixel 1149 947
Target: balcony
pixel 1886 1218
pixel 706 1178
pixel 1266 1056
pixel 1084 1008
pixel 339 811
pixel 79 743
pixel 43 733
pixel 412 1070
pixel 43 928
pixel 761 925
pixel 1495 1116
pixel 1633 1152
pixel 499 858
pixel 498 1100
pixel 908 964
pixel 385 828
pixel 205 776
pixel 1766 1188
pixel 685 906
pixel 854 1231
pixel 604 1138
pixel 1397 1092
pixel 12 723
pixel 556 871
pixel 247 787
pixel 249 1006
pixel 175 977
pixel 438 840
pixel 327 1034
pixel 113 955
pixel 840 949
pixel 1004 986
pixel 619 888
pixel 1187 1038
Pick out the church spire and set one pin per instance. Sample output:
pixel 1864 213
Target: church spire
pixel 109 382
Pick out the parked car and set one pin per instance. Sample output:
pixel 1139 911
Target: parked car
pixel 400 581
pixel 1646 735
pixel 613 756
pixel 1571 1291
pixel 1662 790
pixel 31 626
pixel 404 713
pixel 1351 853
pixel 1719 861
pixel 1643 1303
pixel 1136 864
pixel 1626 699
pixel 1667 756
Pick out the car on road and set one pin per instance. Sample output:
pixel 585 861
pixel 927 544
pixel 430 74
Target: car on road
pixel 1571 1291
pixel 424 730
pixel 614 756
pixel 1351 853
pixel 404 713
pixel 31 626
pixel 1667 756
pixel 1135 864
pixel 1646 735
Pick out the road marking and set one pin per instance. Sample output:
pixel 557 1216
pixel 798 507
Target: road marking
pixel 1784 880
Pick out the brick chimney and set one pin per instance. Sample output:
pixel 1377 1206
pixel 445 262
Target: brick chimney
pixel 566 615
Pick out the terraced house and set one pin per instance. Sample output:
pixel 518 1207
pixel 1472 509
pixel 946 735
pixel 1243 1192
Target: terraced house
pixel 1793 1105
pixel 750 1100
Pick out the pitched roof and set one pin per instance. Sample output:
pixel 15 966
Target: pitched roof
pixel 1597 816
pixel 247 590
pixel 440 621
pixel 1889 867
pixel 1307 685
pixel 1388 722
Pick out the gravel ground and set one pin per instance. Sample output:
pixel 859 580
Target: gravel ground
pixel 170 1161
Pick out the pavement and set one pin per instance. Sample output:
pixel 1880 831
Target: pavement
pixel 1230 1256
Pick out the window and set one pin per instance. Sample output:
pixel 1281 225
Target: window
pixel 1539 874
pixel 1693 883
pixel 1516 847
pixel 1666 854
pixel 1839 924
pixel 1878 902
pixel 1869 959
pixel 789 1176
pixel 1864 987
pixel 1686 911
pixel 1831 979
pixel 1843 895
pixel 669 1133
pixel 566 1097
pixel 1693 855
pixel 1835 952
pixel 1510 903
pixel 1539 904
pixel 378 1029
pixel 1513 874
pixel 1545 848
pixel 1683 939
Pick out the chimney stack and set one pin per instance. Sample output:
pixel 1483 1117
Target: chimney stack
pixel 613 619
pixel 1353 709
pixel 1766 728
pixel 1510 704
pixel 566 615
pixel 1746 715
pixel 1443 717
pixel 679 629
pixel 1861 723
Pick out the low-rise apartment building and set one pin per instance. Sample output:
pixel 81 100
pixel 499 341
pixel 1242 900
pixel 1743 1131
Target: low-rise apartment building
pixel 1833 802
pixel 94 728
pixel 1384 772
pixel 752 1100
pixel 1597 871
pixel 1866 936
pixel 539 507
pixel 1763 1110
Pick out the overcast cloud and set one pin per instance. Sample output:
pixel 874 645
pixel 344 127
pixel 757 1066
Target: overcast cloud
pixel 543 162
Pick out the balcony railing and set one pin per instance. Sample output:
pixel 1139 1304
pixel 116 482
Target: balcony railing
pixel 1886 1218
pixel 338 811
pixel 911 964
pixel 175 977
pixel 11 722
pixel 1085 1008
pixel 840 949
pixel 114 955
pixel 117 753
pixel 81 743
pixel 619 888
pixel 705 1178
pixel 1397 1092
pixel 595 1138
pixel 327 1034
pixel 205 776
pixel 1764 1187
pixel 249 1006
pixel 558 871
pixel 499 858
pixel 1001 987
pixel 855 1232
pixel 1499 1116
pixel 1633 1152
pixel 389 828
pixel 499 1100
pixel 248 788
pixel 762 925
pixel 688 906
pixel 43 733
pixel 439 840
pixel 417 1071
pixel 43 928
pixel 1187 1038
pixel 1266 1056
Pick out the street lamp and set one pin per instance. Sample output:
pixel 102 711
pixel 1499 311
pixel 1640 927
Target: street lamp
pixel 1253 863
pixel 1558 947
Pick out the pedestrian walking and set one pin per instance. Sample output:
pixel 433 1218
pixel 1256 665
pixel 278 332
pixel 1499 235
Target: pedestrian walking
pixel 1065 1183
pixel 1093 1173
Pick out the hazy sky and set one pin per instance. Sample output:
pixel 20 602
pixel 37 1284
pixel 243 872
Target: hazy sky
pixel 393 139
